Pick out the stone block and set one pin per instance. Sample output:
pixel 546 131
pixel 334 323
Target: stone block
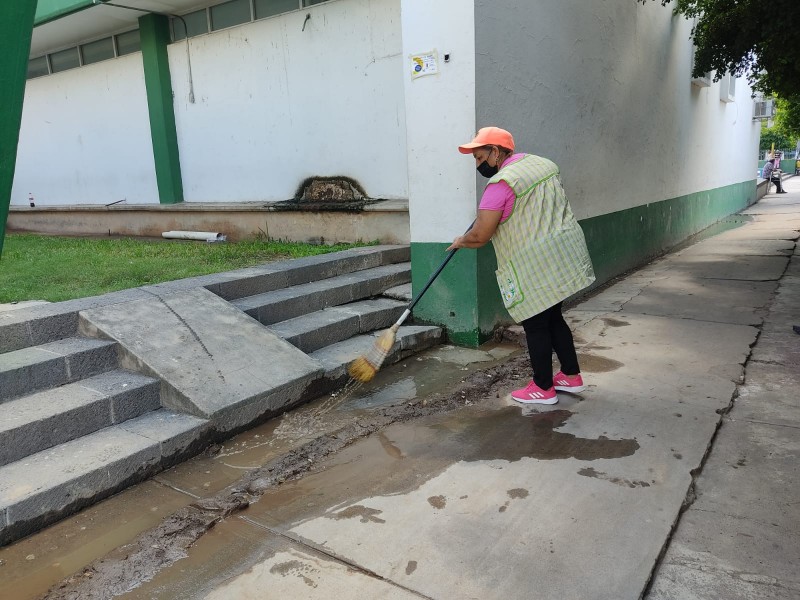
pixel 39 421
pixel 177 434
pixel 13 336
pixel 130 394
pixel 28 370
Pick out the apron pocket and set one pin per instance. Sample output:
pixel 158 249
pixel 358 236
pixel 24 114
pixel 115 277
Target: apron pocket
pixel 508 283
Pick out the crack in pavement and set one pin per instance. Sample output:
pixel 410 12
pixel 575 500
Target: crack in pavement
pixel 316 548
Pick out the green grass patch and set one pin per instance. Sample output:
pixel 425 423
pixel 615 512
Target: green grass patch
pixel 36 267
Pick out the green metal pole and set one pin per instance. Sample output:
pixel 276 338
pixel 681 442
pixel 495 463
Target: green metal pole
pixel 16 28
pixel 154 32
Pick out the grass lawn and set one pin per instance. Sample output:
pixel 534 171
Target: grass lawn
pixel 36 267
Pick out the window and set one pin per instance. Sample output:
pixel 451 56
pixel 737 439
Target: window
pixel 128 42
pixel 66 59
pixel 96 51
pixel 196 22
pixel 763 109
pixel 269 8
pixel 312 2
pixel 705 80
pixel 37 67
pixel 727 88
pixel 230 14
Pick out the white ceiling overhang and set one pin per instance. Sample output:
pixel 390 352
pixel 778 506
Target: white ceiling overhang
pixel 94 21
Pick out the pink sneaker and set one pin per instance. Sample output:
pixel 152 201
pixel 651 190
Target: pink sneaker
pixel 533 394
pixel 568 383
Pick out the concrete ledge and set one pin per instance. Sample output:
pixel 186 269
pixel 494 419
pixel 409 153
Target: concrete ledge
pixel 386 221
pixel 45 323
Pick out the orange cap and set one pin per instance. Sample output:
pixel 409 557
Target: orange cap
pixel 489 136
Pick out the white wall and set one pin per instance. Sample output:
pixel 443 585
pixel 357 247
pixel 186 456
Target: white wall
pixel 604 89
pixel 85 137
pixel 440 115
pixel 275 104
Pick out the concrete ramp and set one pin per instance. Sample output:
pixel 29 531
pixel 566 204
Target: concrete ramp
pixel 214 361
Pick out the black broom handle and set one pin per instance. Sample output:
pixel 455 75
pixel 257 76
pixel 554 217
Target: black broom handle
pixel 436 273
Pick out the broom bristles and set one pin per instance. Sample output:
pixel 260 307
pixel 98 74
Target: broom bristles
pixel 365 367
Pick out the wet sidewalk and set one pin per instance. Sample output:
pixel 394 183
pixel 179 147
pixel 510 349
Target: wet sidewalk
pixel 673 476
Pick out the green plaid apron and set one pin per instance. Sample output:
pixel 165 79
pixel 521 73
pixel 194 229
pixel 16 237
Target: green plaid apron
pixel 541 252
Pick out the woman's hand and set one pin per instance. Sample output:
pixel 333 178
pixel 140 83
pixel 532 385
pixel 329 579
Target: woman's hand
pixel 481 232
pixel 457 243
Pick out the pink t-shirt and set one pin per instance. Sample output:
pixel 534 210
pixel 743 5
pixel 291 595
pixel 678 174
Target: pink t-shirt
pixel 500 196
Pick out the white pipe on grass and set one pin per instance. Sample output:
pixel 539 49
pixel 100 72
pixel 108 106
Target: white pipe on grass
pixel 203 236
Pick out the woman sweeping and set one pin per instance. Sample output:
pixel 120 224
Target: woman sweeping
pixel 541 255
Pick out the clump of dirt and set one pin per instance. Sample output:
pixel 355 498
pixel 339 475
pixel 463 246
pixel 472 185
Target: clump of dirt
pixel 139 561
pixel 330 189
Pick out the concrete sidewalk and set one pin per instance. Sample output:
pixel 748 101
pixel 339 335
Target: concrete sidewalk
pixel 673 476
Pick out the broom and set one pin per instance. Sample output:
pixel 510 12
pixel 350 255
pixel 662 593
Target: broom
pixel 363 368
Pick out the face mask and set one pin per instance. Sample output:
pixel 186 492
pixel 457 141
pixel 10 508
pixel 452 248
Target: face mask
pixel 487 171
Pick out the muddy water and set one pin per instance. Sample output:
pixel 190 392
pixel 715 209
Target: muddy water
pixel 398 461
pixel 29 567
pixel 592 363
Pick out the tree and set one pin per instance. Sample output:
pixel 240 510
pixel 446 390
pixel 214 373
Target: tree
pixel 756 39
pixel 787 118
pixel 771 137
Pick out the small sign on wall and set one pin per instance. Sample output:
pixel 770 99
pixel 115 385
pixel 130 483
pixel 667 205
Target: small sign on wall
pixel 424 63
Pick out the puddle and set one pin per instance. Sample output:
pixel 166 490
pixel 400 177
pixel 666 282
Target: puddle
pixel 30 566
pixel 621 481
pixel 611 322
pixel 428 447
pixel 70 545
pixel 591 363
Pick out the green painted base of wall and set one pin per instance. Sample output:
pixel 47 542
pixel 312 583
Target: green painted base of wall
pixel 465 299
pixel 622 240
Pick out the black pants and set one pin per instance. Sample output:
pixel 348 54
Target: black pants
pixel 778 185
pixel 546 332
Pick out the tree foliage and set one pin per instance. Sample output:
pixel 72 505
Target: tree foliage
pixel 772 137
pixel 748 38
pixel 787 118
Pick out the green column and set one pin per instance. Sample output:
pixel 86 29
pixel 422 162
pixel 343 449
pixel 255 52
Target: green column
pixel 16 27
pixel 464 299
pixel 154 31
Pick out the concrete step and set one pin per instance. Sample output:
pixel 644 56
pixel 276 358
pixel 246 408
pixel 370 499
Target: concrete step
pixel 288 303
pixel 400 292
pixel 45 419
pixel 50 365
pixel 42 488
pixel 331 325
pixel 297 271
pixel 335 358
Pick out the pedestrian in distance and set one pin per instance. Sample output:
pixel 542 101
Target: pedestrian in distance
pixel 769 173
pixel 541 251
